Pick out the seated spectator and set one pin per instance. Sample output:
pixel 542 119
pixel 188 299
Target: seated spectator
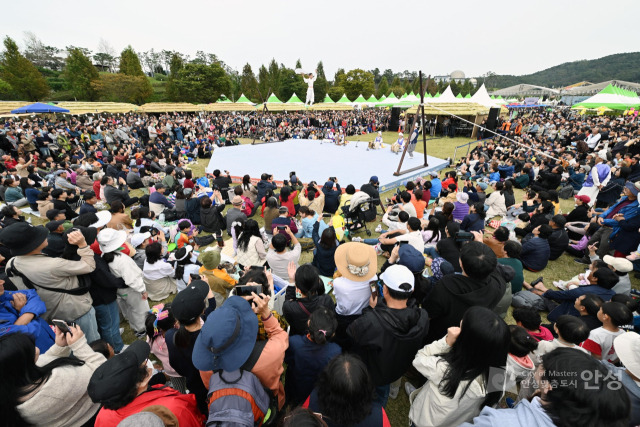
pixel 495 203
pixel 308 354
pixel 279 256
pixel 600 341
pixel 331 196
pixel 512 250
pixel 324 238
pixel 55 240
pixel 121 386
pixel 158 201
pixel 60 201
pixel 112 194
pixel 305 281
pixel 412 236
pixel 158 275
pixel 592 402
pixel 456 373
pixel 211 218
pixel 284 220
pixel 571 331
pixel 159 320
pixel 186 264
pixel 541 215
pixel 529 319
pixel 521 181
pixel 535 252
pixel 221 347
pixel 120 220
pixel 474 221
pixel 251 249
pixel 219 280
pixel 33 383
pixel 497 241
pixel 388 334
pixel 626 347
pixel 519 364
pixel 133 178
pixel 187 308
pixel 90 200
pixel 235 213
pixel 480 284
pixel 20 313
pixel 559 239
pixel 344 394
pixel 461 207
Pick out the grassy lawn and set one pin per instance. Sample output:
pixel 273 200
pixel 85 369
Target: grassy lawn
pixel 560 269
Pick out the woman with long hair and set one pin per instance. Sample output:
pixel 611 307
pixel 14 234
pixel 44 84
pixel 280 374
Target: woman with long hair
pixel 287 197
pixel 431 234
pixel 248 189
pixel 326 245
pixel 251 249
pixel 270 213
pixel 475 220
pixel 457 373
pixel 344 394
pixel 309 286
pixel 34 385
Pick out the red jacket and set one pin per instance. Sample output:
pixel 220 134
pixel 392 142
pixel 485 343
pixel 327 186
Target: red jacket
pixel 96 188
pixel 183 406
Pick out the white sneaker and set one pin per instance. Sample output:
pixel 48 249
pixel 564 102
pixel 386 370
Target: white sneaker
pixel 357 239
pixel 378 228
pixel 393 391
pixel 409 388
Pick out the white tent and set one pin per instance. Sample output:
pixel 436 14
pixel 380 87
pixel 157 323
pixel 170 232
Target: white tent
pixel 448 96
pixel 482 97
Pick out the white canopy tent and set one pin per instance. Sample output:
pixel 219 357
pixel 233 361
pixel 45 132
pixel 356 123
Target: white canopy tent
pixel 482 97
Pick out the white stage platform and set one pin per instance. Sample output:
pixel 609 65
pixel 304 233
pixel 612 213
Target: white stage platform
pixel 316 161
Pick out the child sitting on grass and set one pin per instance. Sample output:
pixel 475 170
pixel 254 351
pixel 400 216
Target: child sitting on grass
pixel 600 341
pixel 571 330
pixel 529 319
pixel 520 366
pixel 582 279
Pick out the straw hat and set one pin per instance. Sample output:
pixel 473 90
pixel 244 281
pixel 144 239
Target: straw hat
pixel 356 261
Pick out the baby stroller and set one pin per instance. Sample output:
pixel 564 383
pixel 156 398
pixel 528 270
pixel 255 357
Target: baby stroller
pixel 355 212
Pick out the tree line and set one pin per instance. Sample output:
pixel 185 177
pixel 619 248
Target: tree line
pixel 41 72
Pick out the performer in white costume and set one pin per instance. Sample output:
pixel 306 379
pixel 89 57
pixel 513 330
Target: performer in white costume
pixel 309 81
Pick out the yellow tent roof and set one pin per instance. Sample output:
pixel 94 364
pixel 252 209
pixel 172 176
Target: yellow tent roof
pixel 227 106
pixel 281 107
pixel 98 107
pixel 329 106
pixel 165 107
pixel 456 108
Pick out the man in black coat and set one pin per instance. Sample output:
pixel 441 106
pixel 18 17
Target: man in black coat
pixel 389 334
pixel 548 180
pixel 480 284
pixel 371 188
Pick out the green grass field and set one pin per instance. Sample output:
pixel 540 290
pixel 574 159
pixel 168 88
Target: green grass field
pixel 563 268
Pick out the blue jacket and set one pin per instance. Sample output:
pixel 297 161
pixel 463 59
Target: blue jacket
pixel 508 170
pixel 535 254
pixel 436 187
pixel 568 298
pixel 628 211
pixel 38 328
pixel 575 179
pixel 331 198
pixel 494 176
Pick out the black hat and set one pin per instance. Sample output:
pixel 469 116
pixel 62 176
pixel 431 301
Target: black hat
pixel 22 238
pixel 90 233
pixel 189 304
pixel 53 225
pixel 117 376
pixel 52 213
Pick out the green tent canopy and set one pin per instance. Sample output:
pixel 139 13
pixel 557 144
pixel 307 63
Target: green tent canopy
pixel 382 98
pixel 459 96
pixel 360 100
pixel 273 99
pixel 372 99
pixel 468 96
pixel 294 99
pixel 243 100
pixel 223 98
pixel 404 95
pixel 437 95
pixel 328 100
pixel 611 97
pixel 344 99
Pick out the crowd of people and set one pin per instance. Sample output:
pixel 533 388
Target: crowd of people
pixel 207 274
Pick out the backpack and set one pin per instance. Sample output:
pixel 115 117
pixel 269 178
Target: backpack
pixel 566 192
pixel 238 399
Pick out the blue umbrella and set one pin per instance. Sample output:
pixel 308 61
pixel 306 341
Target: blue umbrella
pixel 39 107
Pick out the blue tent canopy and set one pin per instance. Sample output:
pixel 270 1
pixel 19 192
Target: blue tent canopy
pixel 39 107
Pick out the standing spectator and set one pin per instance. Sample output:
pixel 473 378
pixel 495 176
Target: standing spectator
pixel 331 196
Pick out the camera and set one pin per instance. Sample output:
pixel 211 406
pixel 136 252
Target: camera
pixel 152 230
pixel 292 173
pixel 332 178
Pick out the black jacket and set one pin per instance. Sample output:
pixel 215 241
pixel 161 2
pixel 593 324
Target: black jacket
pixel 112 194
pixel 263 186
pixel 558 242
pixel 454 294
pixel 104 284
pixel 64 206
pixel 610 193
pixel 579 214
pixel 211 219
pixel 387 340
pixel 297 310
pixel 332 198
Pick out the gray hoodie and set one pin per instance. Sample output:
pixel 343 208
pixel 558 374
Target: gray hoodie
pixel 525 414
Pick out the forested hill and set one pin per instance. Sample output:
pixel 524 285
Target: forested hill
pixel 621 66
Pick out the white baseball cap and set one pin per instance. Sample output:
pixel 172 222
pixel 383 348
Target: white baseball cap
pixel 627 348
pixel 138 238
pixel 104 217
pixel 397 275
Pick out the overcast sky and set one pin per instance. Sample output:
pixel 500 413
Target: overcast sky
pixel 507 37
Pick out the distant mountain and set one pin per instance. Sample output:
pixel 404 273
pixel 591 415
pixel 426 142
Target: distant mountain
pixel 621 66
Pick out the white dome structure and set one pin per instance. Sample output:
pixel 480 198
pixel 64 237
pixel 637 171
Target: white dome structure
pixel 457 74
